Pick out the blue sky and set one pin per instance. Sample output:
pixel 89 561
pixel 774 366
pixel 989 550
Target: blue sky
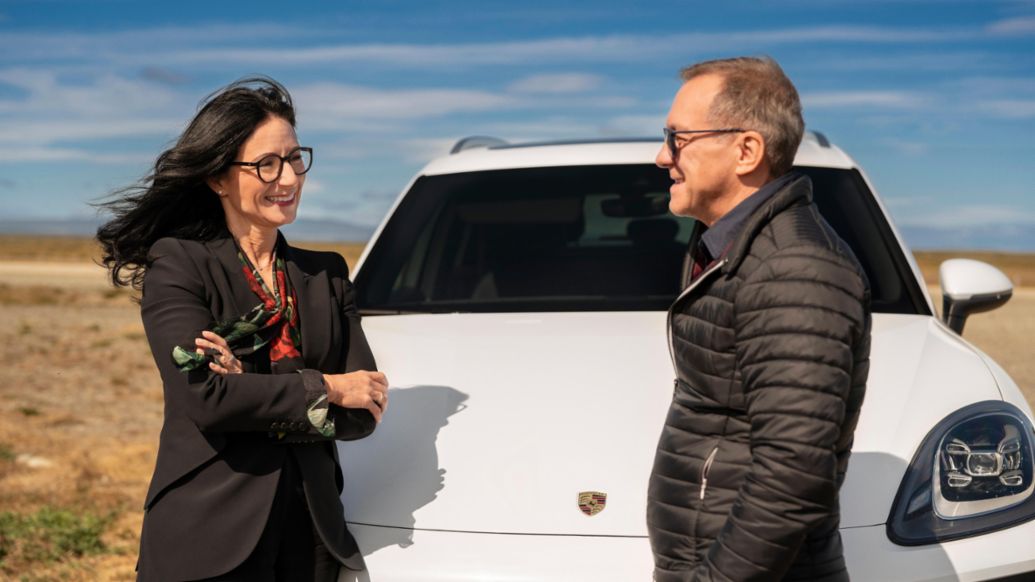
pixel 936 100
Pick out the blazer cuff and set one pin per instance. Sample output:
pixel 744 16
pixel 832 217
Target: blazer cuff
pixel 317 404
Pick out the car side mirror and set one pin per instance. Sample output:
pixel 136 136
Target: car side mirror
pixel 970 286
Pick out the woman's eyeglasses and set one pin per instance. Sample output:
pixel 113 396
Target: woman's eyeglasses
pixel 270 167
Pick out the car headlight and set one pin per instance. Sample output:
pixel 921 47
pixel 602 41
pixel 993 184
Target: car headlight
pixel 972 474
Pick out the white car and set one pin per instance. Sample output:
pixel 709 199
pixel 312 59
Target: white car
pixel 517 296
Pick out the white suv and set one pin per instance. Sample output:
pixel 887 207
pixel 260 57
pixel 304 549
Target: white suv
pixel 516 296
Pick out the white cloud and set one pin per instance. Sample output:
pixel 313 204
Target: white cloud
pixel 1009 108
pixel 9 154
pixel 621 48
pixel 858 34
pixel 556 127
pixel 1019 26
pixel 54 130
pixel 423 150
pixel 356 207
pixel 539 129
pixel 996 85
pixel 54 111
pixel 106 94
pixel 36 45
pixel 941 61
pixel 330 102
pixel 222 46
pixel 411 148
pixel 916 202
pixel 635 125
pixel 556 83
pixel 334 106
pixel 418 55
pixel 907 147
pixel 880 99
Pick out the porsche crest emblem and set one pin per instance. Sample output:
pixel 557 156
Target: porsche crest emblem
pixel 592 502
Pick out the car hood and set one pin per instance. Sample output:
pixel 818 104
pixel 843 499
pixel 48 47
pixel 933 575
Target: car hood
pixel 497 422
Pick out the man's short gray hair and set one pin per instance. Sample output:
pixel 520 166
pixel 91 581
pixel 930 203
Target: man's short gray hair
pixel 757 95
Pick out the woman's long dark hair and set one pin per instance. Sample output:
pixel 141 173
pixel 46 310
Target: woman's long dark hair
pixel 174 199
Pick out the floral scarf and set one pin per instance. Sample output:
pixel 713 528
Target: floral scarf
pixel 273 321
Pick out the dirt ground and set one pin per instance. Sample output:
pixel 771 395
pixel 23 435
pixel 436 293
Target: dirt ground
pixel 81 404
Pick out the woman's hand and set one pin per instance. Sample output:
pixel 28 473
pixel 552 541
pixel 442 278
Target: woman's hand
pixel 360 389
pixel 224 361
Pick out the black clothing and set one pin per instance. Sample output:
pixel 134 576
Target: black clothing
pixel 771 350
pixel 220 454
pixel 289 549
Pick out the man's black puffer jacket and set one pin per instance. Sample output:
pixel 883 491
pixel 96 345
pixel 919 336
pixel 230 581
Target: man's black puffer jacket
pixel 771 349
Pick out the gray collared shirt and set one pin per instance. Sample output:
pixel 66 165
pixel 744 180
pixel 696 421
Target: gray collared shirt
pixel 719 236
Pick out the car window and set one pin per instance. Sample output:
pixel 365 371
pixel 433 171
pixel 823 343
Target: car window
pixel 575 238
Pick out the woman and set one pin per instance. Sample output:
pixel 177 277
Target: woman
pixel 259 346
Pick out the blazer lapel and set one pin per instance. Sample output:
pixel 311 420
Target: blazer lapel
pixel 314 299
pixel 242 297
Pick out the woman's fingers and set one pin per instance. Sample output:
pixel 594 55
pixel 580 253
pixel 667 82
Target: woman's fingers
pixel 224 361
pixel 361 389
pixel 381 399
pixel 215 338
pixel 375 410
pixel 212 347
pixel 379 389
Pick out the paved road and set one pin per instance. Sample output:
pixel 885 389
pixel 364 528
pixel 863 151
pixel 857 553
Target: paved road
pixel 78 275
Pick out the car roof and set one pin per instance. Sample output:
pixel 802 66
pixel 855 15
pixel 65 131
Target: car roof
pixel 482 153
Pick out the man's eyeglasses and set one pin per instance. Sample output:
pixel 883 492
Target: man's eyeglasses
pixel 270 167
pixel 670 136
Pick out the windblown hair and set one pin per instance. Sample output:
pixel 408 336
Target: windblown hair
pixel 174 199
pixel 757 95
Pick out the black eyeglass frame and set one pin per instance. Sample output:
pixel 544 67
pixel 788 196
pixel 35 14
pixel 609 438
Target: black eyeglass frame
pixel 280 169
pixel 670 136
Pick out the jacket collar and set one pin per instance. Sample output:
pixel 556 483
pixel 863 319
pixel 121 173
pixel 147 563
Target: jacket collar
pixel 797 192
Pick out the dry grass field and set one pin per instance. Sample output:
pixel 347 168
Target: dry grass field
pixel 81 405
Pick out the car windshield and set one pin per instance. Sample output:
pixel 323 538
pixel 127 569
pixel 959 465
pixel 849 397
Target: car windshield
pixel 579 238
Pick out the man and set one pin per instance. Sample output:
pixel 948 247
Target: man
pixel 770 342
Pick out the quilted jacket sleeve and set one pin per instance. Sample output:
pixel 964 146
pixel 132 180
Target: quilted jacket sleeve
pixel 798 318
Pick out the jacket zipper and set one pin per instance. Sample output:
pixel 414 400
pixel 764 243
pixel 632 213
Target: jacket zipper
pixel 706 469
pixel 668 320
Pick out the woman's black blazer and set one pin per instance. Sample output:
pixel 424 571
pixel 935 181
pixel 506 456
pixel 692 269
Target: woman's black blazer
pixel 218 459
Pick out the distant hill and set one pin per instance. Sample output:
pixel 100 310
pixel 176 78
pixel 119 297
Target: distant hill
pixel 1010 238
pixel 57 226
pixel 303 229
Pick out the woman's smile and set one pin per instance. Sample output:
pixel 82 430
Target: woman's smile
pixel 282 199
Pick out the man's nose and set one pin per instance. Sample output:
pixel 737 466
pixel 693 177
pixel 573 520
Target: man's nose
pixel 664 157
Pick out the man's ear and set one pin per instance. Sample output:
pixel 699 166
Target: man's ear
pixel 751 153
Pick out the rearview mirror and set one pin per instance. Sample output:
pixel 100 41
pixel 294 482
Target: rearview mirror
pixel 968 287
